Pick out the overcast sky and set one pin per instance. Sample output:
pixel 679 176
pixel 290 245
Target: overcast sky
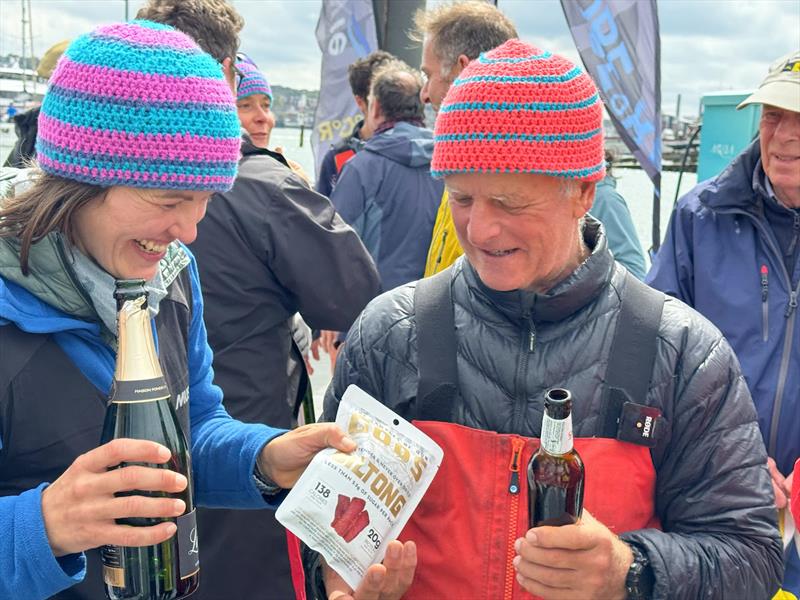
pixel 706 45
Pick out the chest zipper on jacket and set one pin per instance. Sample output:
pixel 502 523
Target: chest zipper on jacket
pixel 772 246
pixel 764 304
pixel 527 346
pixel 792 304
pixel 513 511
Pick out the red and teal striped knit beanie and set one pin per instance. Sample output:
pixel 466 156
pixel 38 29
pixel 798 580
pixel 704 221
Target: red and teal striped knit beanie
pixel 519 109
pixel 253 81
pixel 139 104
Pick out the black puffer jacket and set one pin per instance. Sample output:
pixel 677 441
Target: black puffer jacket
pixel 713 491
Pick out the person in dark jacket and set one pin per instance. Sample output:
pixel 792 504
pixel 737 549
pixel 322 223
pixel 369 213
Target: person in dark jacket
pixel 267 249
pixel 386 192
pixel 732 251
pixel 536 301
pixel 359 74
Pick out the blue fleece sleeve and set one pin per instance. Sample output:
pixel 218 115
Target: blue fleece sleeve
pixel 611 210
pixel 224 451
pixel 673 267
pixel 28 568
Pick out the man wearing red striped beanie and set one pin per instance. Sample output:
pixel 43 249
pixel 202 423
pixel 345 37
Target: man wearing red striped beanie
pixel 677 497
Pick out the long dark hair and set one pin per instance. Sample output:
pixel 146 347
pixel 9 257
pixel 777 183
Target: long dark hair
pixel 49 205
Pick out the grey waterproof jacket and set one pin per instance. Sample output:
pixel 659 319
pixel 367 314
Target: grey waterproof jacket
pixel 713 493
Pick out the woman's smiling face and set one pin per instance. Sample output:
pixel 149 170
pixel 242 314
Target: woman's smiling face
pixel 127 230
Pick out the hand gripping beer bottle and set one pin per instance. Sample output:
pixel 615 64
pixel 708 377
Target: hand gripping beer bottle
pixel 140 407
pixel 555 473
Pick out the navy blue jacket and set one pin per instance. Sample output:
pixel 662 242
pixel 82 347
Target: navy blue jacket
pixel 386 193
pixel 717 245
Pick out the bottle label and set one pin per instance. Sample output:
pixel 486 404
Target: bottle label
pixel 143 390
pixel 188 549
pixel 113 571
pixel 556 435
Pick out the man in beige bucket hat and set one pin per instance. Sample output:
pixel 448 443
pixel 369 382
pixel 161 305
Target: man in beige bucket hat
pixel 733 252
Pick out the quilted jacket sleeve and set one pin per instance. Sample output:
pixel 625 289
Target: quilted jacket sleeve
pixel 713 491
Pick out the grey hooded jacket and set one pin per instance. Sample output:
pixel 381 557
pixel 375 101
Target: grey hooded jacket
pixel 713 492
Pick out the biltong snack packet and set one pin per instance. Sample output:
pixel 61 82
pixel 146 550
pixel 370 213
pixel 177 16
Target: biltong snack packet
pixel 347 506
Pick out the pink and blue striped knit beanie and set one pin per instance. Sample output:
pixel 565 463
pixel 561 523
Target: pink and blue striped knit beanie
pixel 139 104
pixel 519 109
pixel 253 81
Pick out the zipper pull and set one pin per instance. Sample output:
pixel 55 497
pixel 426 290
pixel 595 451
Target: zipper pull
pixel 441 249
pixel 764 282
pixel 531 332
pixel 516 452
pixel 792 304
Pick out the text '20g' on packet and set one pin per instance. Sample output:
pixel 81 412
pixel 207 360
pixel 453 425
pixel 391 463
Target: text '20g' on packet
pixel 347 506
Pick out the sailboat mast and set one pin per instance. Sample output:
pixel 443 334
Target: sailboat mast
pixel 22 60
pixel 30 35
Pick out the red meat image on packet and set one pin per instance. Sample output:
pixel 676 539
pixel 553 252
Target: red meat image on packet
pixel 350 517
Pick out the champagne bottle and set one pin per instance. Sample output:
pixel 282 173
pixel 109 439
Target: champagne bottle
pixel 555 473
pixel 140 407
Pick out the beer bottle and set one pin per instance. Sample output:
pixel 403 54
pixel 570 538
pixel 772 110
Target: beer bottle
pixel 555 473
pixel 140 407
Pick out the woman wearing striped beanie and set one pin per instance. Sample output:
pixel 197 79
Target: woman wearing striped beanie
pixel 253 102
pixel 519 141
pixel 137 130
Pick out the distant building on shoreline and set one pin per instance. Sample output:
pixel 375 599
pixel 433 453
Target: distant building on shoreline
pixel 293 108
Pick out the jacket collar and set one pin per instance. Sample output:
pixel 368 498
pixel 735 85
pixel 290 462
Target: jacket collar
pixel 50 277
pixel 248 149
pixel 574 292
pixel 743 175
